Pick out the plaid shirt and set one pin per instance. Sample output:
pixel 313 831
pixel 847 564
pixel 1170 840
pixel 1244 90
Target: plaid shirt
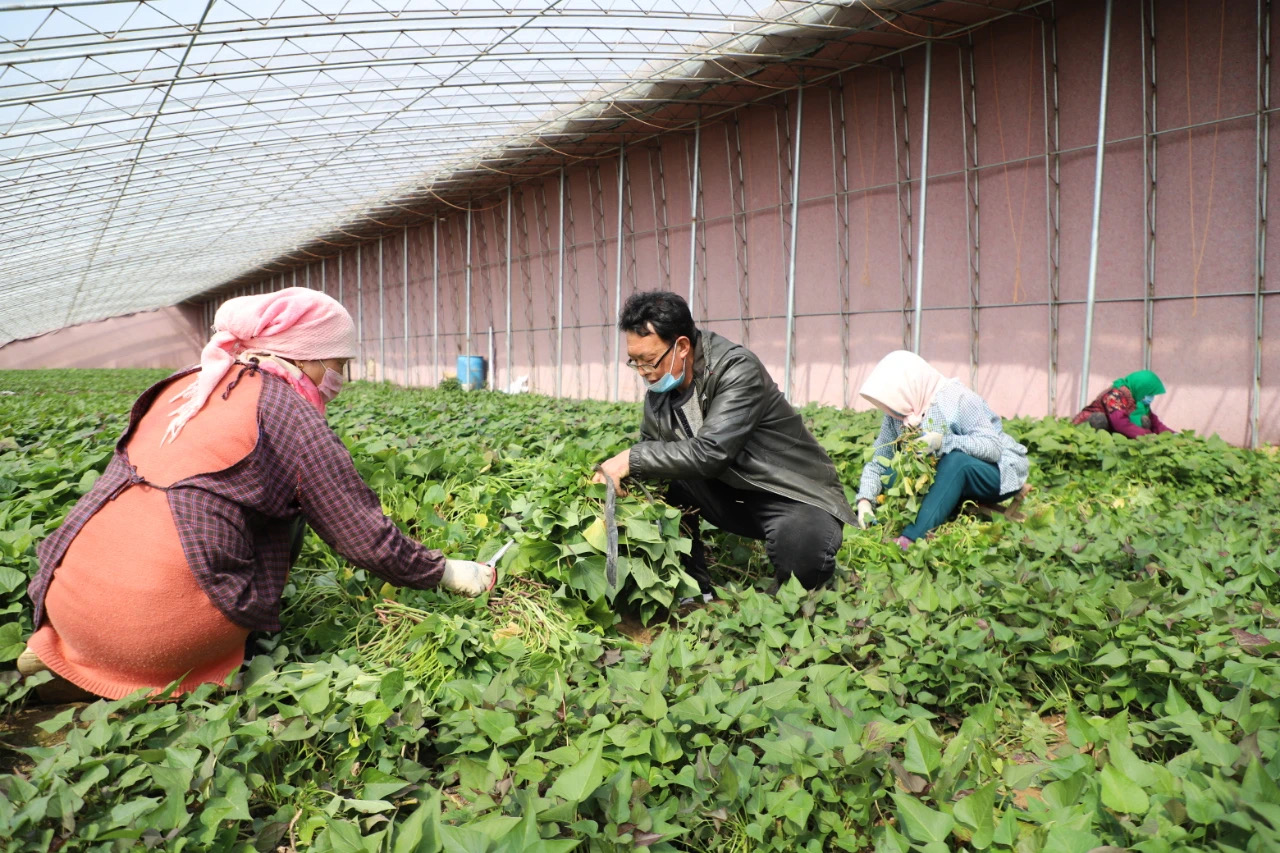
pixel 967 424
pixel 237 525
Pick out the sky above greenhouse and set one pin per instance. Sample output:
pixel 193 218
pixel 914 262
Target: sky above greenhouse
pixel 150 151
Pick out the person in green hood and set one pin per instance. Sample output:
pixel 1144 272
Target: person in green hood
pixel 1125 407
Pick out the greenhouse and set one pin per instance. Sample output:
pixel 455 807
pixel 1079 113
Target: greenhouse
pixel 593 425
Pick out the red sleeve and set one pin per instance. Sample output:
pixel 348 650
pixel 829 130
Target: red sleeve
pixel 1120 423
pixel 1158 425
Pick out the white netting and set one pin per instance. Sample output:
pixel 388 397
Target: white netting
pixel 152 150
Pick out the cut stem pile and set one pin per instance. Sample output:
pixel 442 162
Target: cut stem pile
pixel 410 640
pixel 527 610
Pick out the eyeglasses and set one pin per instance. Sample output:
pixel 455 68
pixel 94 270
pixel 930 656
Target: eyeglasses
pixel 649 368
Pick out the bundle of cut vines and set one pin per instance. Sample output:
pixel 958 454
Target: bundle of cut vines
pixel 408 639
pixel 527 610
pixel 913 463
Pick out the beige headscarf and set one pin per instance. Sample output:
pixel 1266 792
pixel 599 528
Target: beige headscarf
pixel 903 386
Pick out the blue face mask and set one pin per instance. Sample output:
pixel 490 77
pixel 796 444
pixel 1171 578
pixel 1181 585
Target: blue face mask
pixel 668 382
pixel 1146 401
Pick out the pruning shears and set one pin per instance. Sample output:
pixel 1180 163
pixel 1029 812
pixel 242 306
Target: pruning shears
pixel 492 562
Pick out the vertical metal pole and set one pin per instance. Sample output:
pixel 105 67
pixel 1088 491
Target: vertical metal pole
pixel 1147 19
pixel 791 262
pixel 1097 208
pixel 661 233
pixel 1264 137
pixel 468 282
pixel 693 207
pixel 506 364
pixel 1052 189
pixel 600 241
pixel 924 197
pixel 405 280
pixel 323 286
pixel 360 307
pixel 902 179
pixel 435 298
pixel 382 322
pixel 969 135
pixel 307 273
pixel 840 170
pixel 617 284
pixel 295 279
pixel 560 297
pixel 491 377
pixel 738 203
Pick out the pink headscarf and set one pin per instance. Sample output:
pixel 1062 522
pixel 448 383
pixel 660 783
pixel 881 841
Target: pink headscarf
pixel 902 385
pixel 295 323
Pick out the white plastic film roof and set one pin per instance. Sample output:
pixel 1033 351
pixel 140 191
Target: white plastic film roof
pixel 154 150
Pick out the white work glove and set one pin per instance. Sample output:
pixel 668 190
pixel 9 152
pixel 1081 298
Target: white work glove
pixel 932 440
pixel 866 515
pixel 467 577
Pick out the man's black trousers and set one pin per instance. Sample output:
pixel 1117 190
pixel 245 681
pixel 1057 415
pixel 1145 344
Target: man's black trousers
pixel 801 540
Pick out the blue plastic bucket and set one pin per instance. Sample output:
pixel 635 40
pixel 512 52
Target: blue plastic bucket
pixel 471 372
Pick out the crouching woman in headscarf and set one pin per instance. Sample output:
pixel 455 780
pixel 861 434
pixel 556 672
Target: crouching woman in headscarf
pixel 183 545
pixel 978 460
pixel 1125 407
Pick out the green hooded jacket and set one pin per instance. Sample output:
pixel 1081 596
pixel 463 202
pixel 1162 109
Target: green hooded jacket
pixel 1142 384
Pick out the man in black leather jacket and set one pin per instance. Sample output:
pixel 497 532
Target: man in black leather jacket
pixel 732 448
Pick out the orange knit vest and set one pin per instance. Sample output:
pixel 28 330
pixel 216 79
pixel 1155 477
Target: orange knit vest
pixel 124 611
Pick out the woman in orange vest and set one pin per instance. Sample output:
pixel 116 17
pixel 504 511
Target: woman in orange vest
pixel 183 545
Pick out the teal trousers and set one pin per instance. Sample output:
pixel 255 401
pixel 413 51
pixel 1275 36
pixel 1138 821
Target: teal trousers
pixel 959 477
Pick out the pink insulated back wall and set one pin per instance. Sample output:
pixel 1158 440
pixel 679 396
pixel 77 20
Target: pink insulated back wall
pixel 1013 122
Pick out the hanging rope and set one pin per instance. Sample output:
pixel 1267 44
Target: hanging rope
pixel 748 80
pixel 617 105
pixel 872 9
pixel 1197 255
pixel 862 171
pixel 1017 230
pixel 565 154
